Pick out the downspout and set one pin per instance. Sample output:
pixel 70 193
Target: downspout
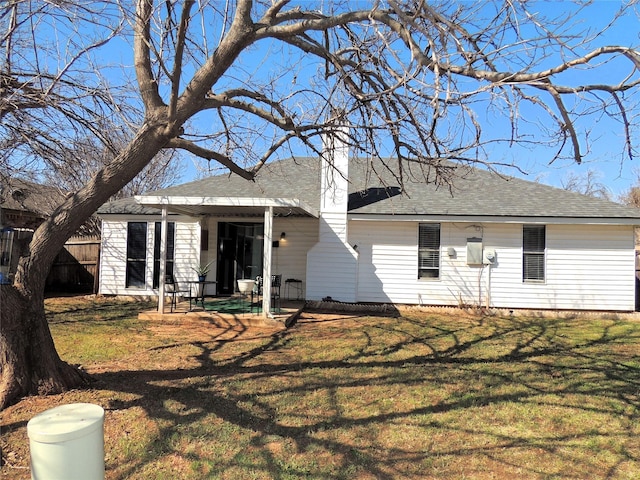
pixel 480 272
pixel 488 286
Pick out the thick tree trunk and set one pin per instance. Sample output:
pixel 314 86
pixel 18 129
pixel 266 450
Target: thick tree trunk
pixel 29 362
pixel 28 358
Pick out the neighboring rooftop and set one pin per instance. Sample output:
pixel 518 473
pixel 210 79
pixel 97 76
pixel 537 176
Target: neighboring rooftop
pixel 26 204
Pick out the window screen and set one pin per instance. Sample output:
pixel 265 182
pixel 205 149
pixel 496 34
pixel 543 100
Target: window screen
pixel 170 248
pixel 136 253
pixel 429 250
pixel 533 247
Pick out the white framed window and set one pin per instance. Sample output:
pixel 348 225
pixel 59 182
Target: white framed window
pixel 429 250
pixel 136 254
pixel 533 253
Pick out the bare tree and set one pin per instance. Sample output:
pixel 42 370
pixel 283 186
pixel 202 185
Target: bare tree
pixel 76 163
pixel 239 83
pixel 587 184
pixel 631 196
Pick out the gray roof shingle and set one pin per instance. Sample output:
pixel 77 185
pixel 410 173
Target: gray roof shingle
pixel 374 190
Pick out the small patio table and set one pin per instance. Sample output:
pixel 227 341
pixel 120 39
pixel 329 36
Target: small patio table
pixel 295 285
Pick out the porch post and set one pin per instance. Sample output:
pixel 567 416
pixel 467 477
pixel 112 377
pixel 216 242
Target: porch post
pixel 163 259
pixel 266 262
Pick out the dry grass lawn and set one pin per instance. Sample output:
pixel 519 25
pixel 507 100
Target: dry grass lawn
pixel 420 396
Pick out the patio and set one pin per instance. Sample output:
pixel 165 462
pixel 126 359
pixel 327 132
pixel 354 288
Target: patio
pixel 229 311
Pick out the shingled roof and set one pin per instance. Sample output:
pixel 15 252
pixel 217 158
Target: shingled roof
pixel 31 197
pixel 26 204
pixel 374 190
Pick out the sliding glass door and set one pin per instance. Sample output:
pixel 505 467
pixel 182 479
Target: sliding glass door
pixel 239 253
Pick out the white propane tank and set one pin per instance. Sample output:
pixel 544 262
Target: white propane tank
pixel 67 443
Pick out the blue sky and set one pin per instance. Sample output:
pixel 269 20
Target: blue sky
pixel 605 159
pixel 611 168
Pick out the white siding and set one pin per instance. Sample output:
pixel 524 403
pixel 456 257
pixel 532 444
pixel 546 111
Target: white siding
pixel 590 267
pixel 113 256
pixel 113 253
pixel 290 259
pixel 587 267
pixel 388 261
pixel 332 272
pixel 187 254
pixel 332 263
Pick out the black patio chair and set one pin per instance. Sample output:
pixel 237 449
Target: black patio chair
pixel 173 288
pixel 276 284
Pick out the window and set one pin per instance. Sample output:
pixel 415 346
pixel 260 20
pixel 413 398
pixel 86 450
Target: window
pixel 136 254
pixel 533 246
pixel 170 248
pixel 429 250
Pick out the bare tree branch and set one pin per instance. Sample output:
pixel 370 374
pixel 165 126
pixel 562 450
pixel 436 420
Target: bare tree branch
pixel 209 155
pixel 180 44
pixel 147 83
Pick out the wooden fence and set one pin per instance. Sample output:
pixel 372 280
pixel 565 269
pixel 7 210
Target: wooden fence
pixel 76 268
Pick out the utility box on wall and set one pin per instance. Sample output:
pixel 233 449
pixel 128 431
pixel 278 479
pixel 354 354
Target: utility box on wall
pixel 474 251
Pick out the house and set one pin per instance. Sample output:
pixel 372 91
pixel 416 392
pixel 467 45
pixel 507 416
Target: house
pixel 24 205
pixel 354 233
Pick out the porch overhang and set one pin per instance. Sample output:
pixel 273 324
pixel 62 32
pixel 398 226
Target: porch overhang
pixel 199 206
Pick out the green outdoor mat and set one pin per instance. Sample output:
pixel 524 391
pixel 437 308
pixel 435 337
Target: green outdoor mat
pixel 231 306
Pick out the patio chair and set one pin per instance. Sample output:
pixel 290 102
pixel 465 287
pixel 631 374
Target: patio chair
pixel 276 283
pixel 256 292
pixel 172 288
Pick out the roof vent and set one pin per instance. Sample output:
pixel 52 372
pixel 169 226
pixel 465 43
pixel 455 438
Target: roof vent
pixel 18 195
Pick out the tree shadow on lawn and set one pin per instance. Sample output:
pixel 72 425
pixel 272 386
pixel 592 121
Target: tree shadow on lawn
pixel 76 311
pixel 290 405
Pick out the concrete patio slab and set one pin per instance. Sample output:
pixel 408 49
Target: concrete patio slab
pixel 222 317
